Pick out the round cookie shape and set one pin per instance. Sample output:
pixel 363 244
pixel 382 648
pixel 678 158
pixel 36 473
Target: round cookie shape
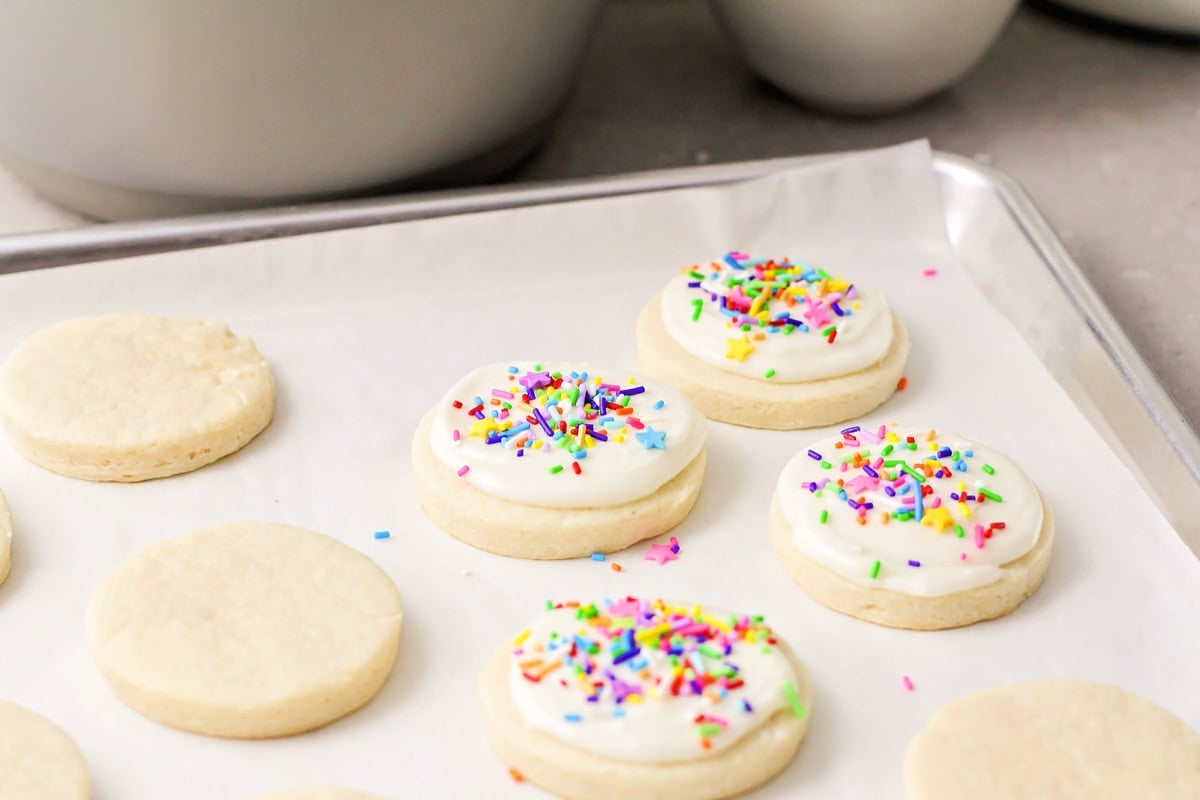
pixel 6 533
pixel 772 344
pixel 645 699
pixel 245 630
pixel 318 793
pixel 551 460
pixel 134 397
pixel 911 528
pixel 38 761
pixel 1052 739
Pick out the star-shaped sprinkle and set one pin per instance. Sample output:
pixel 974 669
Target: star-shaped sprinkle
pixel 660 553
pixel 534 380
pixel 739 348
pixel 938 518
pixel 652 439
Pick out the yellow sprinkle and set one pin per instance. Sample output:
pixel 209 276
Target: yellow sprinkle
pixel 938 518
pixel 653 633
pixel 892 437
pixel 633 698
pixel 739 348
pixel 537 444
pixel 964 509
pixel 522 636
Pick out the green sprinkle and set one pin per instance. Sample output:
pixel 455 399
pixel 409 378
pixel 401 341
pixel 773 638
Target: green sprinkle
pixel 989 469
pixel 697 307
pixel 697 275
pixel 955 456
pixel 709 730
pixel 875 570
pixel 826 465
pixel 766 648
pixel 911 445
pixel 788 329
pixel 746 327
pixel 958 531
pixel 887 450
pixel 708 652
pixel 757 619
pixel 824 515
pixel 991 495
pixel 918 477
pixel 625 400
pixel 537 367
pixel 769 373
pixel 827 330
pixel 789 691
pixel 549 605
pixel 557 468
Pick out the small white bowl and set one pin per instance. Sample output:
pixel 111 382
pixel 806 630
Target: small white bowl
pixel 862 57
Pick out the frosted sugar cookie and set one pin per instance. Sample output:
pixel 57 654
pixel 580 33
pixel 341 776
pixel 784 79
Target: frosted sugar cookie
pixel 554 460
pixel 129 398
pixel 1050 740
pixel 645 700
pixel 37 760
pixel 245 630
pixel 6 531
pixel 912 529
pixel 772 344
pixel 320 793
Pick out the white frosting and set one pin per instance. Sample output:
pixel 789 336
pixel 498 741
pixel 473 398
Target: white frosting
pixel 662 725
pixel 947 563
pixel 619 470
pixel 864 333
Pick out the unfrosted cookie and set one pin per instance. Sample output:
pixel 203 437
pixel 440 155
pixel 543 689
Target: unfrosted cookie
pixel 556 460
pixel 129 398
pixel 37 760
pixel 1051 740
pixel 6 532
pixel 911 528
pixel 318 793
pixel 770 344
pixel 245 630
pixel 645 700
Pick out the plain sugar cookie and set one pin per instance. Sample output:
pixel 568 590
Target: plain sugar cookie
pixel 540 460
pixel 6 533
pixel 645 700
pixel 911 528
pixel 318 793
pixel 772 344
pixel 37 760
pixel 129 398
pixel 1051 740
pixel 245 630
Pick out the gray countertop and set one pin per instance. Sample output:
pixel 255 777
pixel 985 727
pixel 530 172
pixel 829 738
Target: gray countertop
pixel 1101 126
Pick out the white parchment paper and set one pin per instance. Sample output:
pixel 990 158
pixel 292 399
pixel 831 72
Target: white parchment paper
pixel 367 328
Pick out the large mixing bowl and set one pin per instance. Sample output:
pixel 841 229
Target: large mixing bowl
pixel 129 108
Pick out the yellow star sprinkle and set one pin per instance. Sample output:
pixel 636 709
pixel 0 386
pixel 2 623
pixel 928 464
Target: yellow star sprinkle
pixel 739 348
pixel 938 518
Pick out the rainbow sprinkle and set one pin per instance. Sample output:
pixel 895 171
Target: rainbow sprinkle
pixel 762 297
pixel 551 412
pixel 602 657
pixel 933 485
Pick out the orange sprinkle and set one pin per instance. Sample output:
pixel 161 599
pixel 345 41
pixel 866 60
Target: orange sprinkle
pixel 884 517
pixel 706 744
pixel 861 520
pixel 533 662
pixel 616 567
pixel 758 337
pixel 902 384
pixel 516 776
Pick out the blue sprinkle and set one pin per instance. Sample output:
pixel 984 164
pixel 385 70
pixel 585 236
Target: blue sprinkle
pixel 659 404
pixel 572 718
pixel 382 534
pixel 513 370
pixel 597 556
pixel 969 453
pixel 618 712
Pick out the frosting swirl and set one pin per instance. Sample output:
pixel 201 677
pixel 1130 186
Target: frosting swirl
pixel 775 320
pixel 565 436
pixel 650 681
pixel 924 512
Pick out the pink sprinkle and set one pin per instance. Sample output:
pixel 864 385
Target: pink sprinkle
pixel 660 553
pixel 845 466
pixel 937 501
pixel 503 395
pixel 456 435
pixel 979 536
pixel 464 469
pixel 908 684
pixel 962 556
pixel 929 273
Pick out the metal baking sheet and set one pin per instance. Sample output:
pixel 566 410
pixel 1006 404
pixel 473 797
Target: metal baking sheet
pixel 987 212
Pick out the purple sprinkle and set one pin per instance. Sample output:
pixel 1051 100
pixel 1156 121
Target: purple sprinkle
pixel 889 491
pixel 537 414
pixel 628 654
pixel 693 284
pixel 852 503
pixel 944 452
pixel 853 429
pixel 598 435
pixel 912 563
pixel 814 455
pixel 746 706
pixel 954 495
pixel 674 548
pixel 837 309
pixel 634 390
pixel 868 506
pixel 603 406
pixel 867 469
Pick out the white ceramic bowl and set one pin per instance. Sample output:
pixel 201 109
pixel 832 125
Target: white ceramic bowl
pixel 1172 16
pixel 125 108
pixel 863 57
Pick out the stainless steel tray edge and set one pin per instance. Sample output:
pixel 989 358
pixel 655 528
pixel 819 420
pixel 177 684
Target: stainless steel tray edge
pixel 1171 473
